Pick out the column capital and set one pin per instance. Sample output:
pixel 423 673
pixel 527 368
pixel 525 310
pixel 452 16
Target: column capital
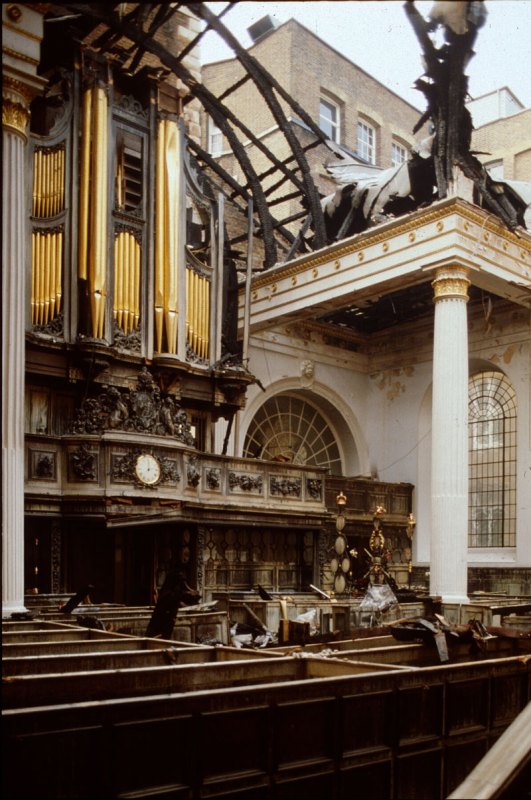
pixel 451 282
pixel 22 27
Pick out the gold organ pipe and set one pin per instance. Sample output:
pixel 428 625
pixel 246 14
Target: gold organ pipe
pixel 42 261
pixel 53 198
pixel 171 224
pixel 33 275
pixel 207 330
pixel 200 311
pixel 204 336
pixel 190 307
pixel 98 216
pixel 41 184
pixel 188 291
pixel 47 275
pixel 49 177
pixel 204 316
pixel 53 273
pixel 44 208
pixel 116 302
pixel 84 184
pixel 194 310
pixel 159 238
pixel 197 311
pixel 130 278
pixel 136 306
pixel 37 277
pixel 35 184
pixel 132 288
pixel 59 273
pixel 57 182
pixel 61 188
pixel 126 281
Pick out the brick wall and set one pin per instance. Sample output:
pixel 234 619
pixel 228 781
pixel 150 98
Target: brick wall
pixel 507 140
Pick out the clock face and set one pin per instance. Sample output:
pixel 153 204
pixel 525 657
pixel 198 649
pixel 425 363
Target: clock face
pixel 147 469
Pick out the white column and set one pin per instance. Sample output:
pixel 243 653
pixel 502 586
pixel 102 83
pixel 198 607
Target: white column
pixel 449 476
pixel 14 119
pixel 21 37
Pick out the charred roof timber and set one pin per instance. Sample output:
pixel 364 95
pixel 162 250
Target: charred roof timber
pixel 126 32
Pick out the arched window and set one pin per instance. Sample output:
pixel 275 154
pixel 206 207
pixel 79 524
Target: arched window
pixel 492 461
pixel 287 428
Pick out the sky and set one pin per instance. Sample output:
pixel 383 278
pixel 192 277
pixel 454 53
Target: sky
pixel 378 37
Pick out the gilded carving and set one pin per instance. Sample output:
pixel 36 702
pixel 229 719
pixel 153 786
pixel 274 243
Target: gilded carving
pixel 451 283
pixel 15 116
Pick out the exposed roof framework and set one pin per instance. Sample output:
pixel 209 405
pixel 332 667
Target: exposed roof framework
pixel 127 32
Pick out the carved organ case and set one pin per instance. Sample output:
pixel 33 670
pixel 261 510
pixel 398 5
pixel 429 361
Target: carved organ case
pixel 127 237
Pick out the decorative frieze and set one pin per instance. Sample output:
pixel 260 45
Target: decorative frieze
pixel 287 487
pixel 213 478
pixel 314 488
pixel 83 463
pixel 247 483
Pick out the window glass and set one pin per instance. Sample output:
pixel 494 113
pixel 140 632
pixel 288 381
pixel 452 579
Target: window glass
pixel 366 142
pixel 289 429
pixel 215 138
pixel 492 461
pixel 398 154
pixel 329 119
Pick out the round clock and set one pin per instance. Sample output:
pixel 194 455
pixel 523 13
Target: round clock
pixel 147 469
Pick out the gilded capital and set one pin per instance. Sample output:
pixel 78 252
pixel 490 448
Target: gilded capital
pixel 451 283
pixel 15 117
pixel 16 97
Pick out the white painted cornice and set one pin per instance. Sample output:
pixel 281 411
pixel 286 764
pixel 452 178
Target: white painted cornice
pixel 397 254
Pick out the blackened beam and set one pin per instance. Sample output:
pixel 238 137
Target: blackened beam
pixel 234 86
pixel 265 84
pixel 238 190
pixel 299 239
pixel 207 159
pixel 219 113
pixel 284 198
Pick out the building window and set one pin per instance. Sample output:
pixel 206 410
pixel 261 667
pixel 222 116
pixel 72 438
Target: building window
pixel 215 138
pixel 289 429
pixel 492 461
pixel 329 119
pixel 366 142
pixel 398 154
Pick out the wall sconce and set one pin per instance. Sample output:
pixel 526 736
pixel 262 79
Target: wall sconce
pixel 341 501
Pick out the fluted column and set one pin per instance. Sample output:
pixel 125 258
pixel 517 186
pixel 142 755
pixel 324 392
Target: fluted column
pixel 449 476
pixel 21 35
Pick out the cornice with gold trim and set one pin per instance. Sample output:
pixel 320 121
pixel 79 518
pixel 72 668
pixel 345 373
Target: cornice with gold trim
pixel 21 31
pixel 487 222
pixel 21 57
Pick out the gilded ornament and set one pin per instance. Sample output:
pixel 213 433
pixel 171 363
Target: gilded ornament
pixel 361 255
pixel 15 116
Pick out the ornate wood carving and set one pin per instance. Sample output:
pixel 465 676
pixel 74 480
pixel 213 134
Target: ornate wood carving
pixel 285 486
pixel 248 483
pixel 142 409
pixel 314 488
pixel 83 463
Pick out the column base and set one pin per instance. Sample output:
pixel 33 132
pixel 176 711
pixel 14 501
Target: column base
pixel 12 608
pixel 456 599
